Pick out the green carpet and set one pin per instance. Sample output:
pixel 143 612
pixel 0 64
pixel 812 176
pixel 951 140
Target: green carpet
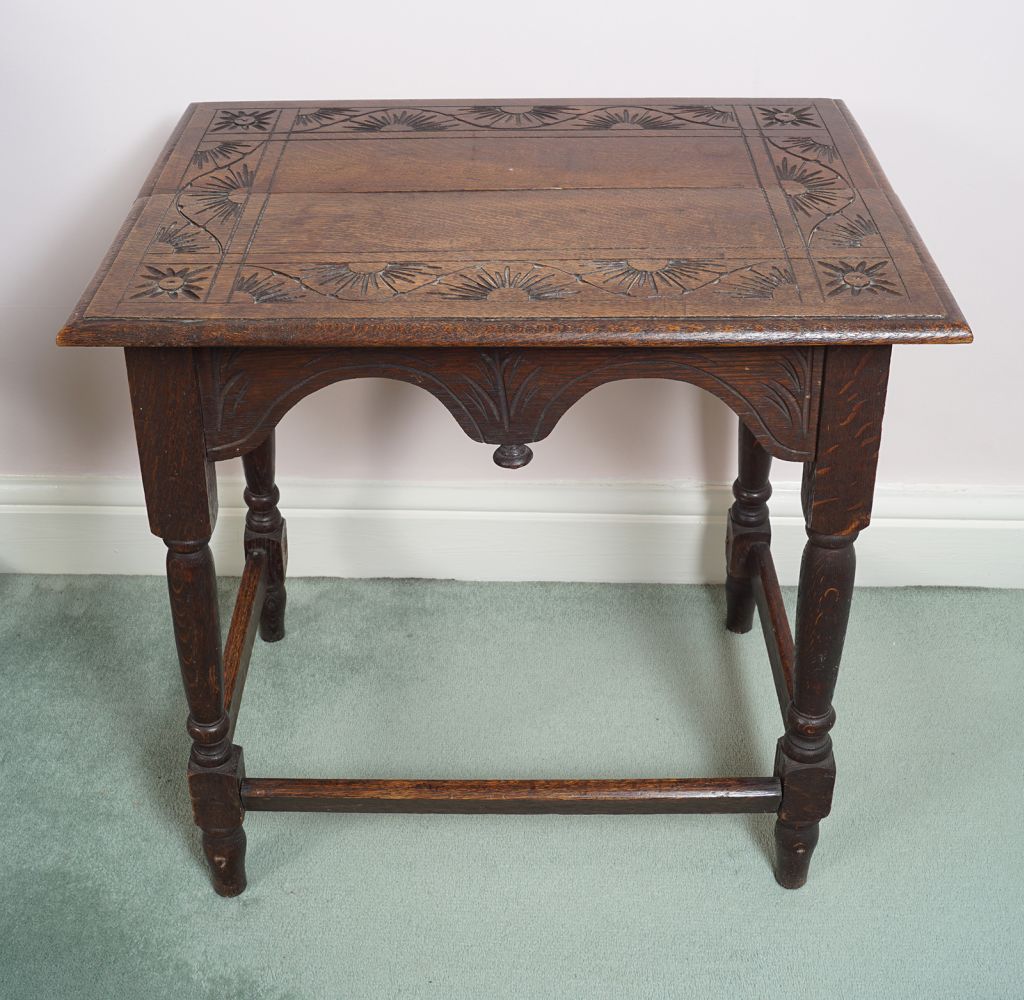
pixel 916 890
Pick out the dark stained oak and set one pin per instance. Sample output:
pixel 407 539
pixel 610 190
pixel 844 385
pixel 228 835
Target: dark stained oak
pixel 508 258
pixel 639 795
pixel 837 494
pixel 181 496
pixel 252 595
pixel 748 526
pixel 508 396
pixel 771 609
pixel 555 223
pixel 266 534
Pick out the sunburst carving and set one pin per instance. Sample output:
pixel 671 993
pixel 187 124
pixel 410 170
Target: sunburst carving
pixel 811 188
pixel 318 117
pixel 848 278
pixel 852 233
pixel 630 118
pixel 706 114
pixel 400 120
pixel 221 197
pixel 759 283
pixel 219 153
pixel 514 116
pixel 268 288
pixel 180 238
pixel 788 117
pixel 243 121
pixel 172 283
pixel 807 145
pixel 535 284
pixel 652 277
pixel 366 279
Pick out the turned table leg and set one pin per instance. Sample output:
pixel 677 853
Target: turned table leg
pixel 215 766
pixel 181 501
pixel 748 523
pixel 265 529
pixel 804 758
pixel 837 493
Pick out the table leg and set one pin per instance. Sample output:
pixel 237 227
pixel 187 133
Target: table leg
pixel 804 759
pixel 265 529
pixel 837 493
pixel 748 523
pixel 181 501
pixel 215 766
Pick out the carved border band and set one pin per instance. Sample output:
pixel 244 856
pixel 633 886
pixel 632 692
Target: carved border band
pixel 841 239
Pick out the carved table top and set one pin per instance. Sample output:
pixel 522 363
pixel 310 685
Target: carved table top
pixel 641 222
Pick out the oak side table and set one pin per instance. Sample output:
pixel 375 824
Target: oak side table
pixel 508 258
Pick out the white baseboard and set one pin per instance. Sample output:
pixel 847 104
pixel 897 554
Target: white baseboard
pixel 614 532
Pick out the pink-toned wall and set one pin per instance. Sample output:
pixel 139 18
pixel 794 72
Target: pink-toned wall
pixel 90 92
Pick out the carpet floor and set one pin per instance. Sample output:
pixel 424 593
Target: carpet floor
pixel 916 889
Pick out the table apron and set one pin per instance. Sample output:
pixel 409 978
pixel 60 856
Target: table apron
pixel 511 396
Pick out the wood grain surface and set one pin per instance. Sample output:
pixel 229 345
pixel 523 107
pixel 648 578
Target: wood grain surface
pixel 561 223
pixel 626 795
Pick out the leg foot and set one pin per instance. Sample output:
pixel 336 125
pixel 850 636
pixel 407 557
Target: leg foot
pixel 739 604
pixel 793 849
pixel 217 810
pixel 272 618
pixel 225 854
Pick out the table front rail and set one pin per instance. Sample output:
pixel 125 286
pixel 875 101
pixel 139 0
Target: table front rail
pixel 510 397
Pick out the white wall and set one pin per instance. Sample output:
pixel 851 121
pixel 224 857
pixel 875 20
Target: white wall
pixel 90 91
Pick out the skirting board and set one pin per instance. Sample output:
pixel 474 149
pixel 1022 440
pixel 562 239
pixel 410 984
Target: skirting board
pixel 611 532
